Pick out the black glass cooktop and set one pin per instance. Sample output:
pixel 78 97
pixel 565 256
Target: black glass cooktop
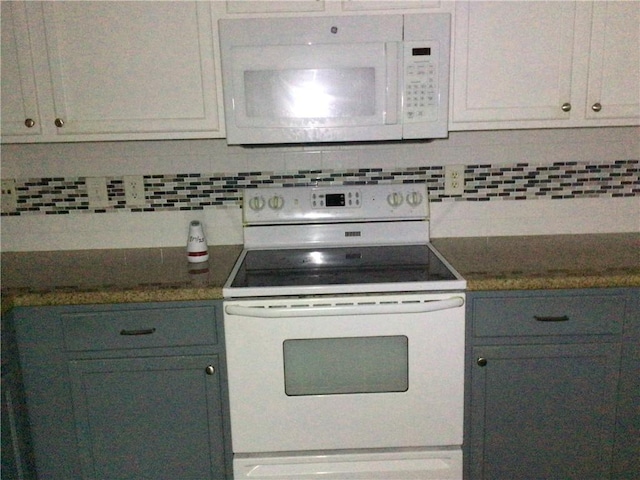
pixel 340 266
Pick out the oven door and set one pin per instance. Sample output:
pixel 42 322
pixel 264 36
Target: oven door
pixel 352 372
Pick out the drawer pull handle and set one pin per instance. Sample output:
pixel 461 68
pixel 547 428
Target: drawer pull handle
pixel 563 318
pixel 145 331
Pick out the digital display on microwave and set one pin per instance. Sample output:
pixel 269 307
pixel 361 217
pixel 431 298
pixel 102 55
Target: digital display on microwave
pixel 416 52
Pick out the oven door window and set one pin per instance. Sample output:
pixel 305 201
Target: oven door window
pixel 326 366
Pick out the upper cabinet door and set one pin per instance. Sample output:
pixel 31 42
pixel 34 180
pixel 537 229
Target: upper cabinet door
pixel 20 113
pixel 274 6
pixel 110 71
pixel 131 67
pixel 613 90
pixel 388 5
pixel 512 62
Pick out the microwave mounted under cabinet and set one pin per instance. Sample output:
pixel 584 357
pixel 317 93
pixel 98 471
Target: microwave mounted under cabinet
pixel 335 79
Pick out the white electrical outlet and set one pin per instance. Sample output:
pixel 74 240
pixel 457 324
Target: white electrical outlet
pixel 454 179
pixel 9 196
pixel 97 192
pixel 134 190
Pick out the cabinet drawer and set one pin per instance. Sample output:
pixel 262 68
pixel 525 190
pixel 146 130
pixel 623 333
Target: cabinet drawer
pixel 499 316
pixel 139 328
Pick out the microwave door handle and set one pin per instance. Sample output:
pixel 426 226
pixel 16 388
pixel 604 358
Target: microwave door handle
pixel 336 310
pixel 394 73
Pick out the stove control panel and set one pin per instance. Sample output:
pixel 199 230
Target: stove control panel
pixel 348 203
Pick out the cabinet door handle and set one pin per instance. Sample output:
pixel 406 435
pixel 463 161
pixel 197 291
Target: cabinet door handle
pixel 563 318
pixel 143 331
pixel 481 361
pixel 210 370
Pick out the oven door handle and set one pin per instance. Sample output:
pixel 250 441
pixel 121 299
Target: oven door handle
pixel 335 310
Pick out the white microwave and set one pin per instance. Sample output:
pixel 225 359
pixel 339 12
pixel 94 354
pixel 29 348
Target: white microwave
pixel 335 79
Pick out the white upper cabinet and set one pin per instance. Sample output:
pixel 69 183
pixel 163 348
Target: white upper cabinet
pixel 121 70
pixel 355 5
pixel 332 7
pixel 512 61
pixel 613 89
pixel 274 6
pixel 545 64
pixel 20 110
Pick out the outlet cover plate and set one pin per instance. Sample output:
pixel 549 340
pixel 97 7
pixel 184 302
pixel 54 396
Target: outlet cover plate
pixel 454 179
pixel 97 192
pixel 9 196
pixel 134 190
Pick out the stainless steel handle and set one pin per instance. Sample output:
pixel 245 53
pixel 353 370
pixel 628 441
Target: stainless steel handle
pixel 142 331
pixel 334 310
pixel 596 107
pixel 566 107
pixel 59 122
pixel 562 318
pixel 210 370
pixel 29 123
pixel 481 361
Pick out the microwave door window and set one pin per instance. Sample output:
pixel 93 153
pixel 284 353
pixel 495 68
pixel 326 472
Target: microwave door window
pixel 319 95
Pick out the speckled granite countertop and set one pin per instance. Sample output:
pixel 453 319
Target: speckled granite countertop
pixel 163 274
pixel 113 276
pixel 546 261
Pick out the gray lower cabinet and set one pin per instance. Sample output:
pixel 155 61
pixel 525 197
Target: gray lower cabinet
pixel 17 457
pixel 542 384
pixel 131 391
pixel 148 418
pixel 626 452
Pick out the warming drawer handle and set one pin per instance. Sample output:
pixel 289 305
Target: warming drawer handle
pixel 144 331
pixel 362 309
pixel 562 318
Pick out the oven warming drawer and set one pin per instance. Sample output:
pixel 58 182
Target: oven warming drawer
pixel 400 465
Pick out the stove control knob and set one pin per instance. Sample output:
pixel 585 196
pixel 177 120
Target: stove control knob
pixel 276 202
pixel 256 203
pixel 414 199
pixel 395 199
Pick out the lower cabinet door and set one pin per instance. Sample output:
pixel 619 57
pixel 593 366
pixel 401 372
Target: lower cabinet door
pixel 626 453
pixel 543 411
pixel 153 418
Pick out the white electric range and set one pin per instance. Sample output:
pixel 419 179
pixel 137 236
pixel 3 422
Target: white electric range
pixel 344 331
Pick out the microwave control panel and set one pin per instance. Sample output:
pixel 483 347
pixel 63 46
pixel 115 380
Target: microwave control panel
pixel 421 94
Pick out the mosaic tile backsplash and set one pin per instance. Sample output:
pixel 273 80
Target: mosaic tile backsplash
pixel 518 181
